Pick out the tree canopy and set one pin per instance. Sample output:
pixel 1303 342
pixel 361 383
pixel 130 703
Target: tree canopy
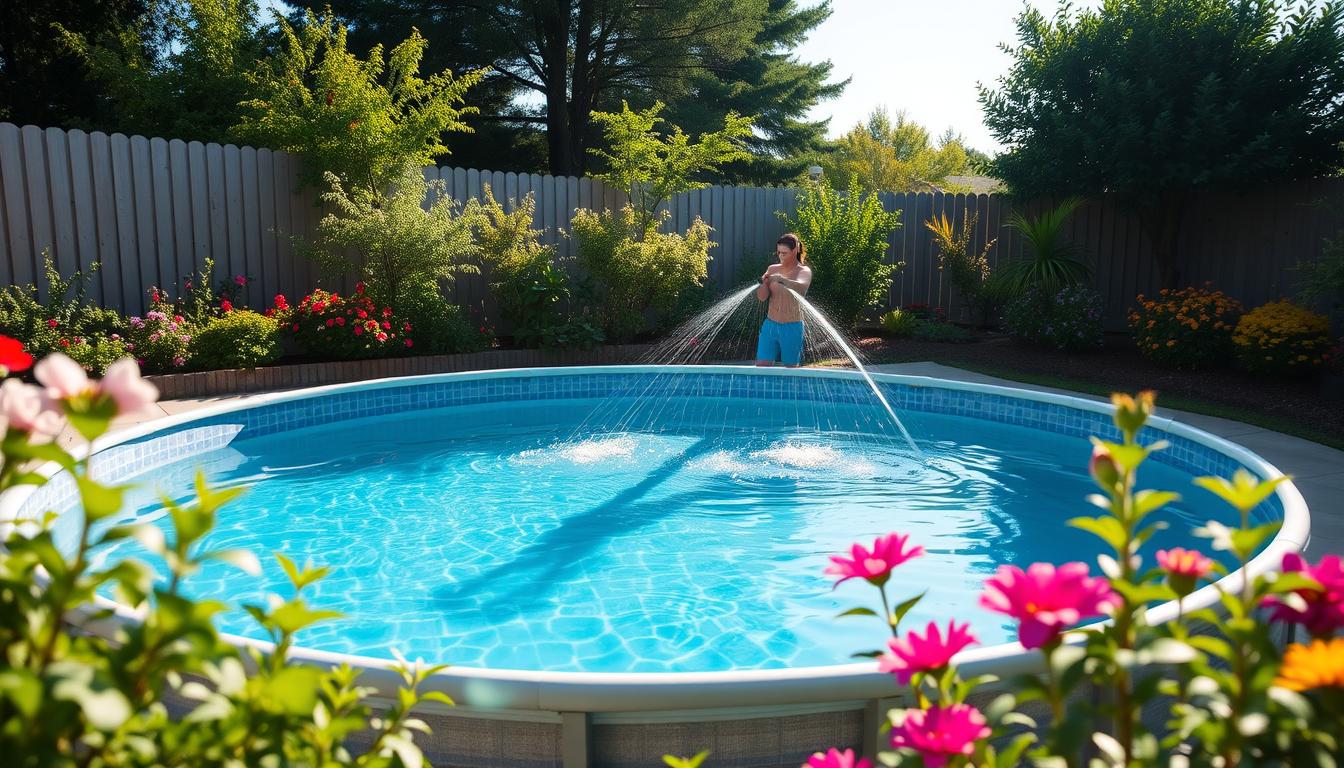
pixel 894 155
pixel 1148 99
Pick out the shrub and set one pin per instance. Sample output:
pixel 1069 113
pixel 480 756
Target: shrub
pixel 416 234
pixel 160 341
pixel 968 272
pixel 441 327
pixel 1322 282
pixel 66 319
pixel 336 327
pixel 925 312
pixel 1052 262
pixel 1069 320
pixel 846 238
pixel 1188 328
pixel 201 300
pixel 238 339
pixel 1282 338
pixel 95 354
pixel 899 323
pixel 636 273
pixel 167 690
pixel 934 330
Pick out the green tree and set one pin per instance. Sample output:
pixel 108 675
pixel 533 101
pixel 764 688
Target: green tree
pixel 190 84
pixel 651 166
pixel 364 120
pixel 846 235
pixel 897 156
pixel 1151 99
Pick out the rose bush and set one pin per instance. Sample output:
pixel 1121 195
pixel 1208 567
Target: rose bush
pixel 339 327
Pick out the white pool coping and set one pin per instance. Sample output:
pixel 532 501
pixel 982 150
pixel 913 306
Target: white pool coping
pixel 551 692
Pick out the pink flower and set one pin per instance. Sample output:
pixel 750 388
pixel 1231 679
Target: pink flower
pixel 22 407
pixel 913 653
pixel 834 758
pixel 179 361
pixel 239 280
pixel 123 384
pixel 63 377
pixel 408 343
pixel 888 552
pixel 1324 611
pixel 940 733
pixel 1184 568
pixel 1046 600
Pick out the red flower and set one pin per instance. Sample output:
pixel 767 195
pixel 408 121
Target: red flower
pixel 382 336
pixel 281 302
pixel 13 358
pixel 363 314
pixel 387 311
pixel 408 342
pixel 482 329
pixel 318 306
pixel 340 321
pixel 53 323
pixel 358 331
pixel 295 328
pixel 359 287
pixel 387 326
pixel 330 322
pixel 405 326
pixel 226 305
pixel 65 342
pixel 240 280
pixel 178 318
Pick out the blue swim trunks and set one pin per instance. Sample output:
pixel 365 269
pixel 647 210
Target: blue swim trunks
pixel 781 342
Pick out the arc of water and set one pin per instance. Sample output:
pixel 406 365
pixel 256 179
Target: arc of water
pixel 854 358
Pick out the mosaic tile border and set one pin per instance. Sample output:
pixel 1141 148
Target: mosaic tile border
pixel 140 454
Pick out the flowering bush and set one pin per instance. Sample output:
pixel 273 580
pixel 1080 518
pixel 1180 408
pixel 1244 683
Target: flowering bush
pixel 201 299
pixel 1283 338
pixel 339 327
pixel 1232 698
pixel 66 322
pixel 76 698
pixel 1068 320
pixel 925 312
pixel 1189 328
pixel 899 323
pixel 238 339
pixel 160 341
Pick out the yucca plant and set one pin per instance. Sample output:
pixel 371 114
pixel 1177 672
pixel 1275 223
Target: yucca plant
pixel 1052 261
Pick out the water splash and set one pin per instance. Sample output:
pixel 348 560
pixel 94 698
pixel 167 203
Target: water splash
pixel 840 341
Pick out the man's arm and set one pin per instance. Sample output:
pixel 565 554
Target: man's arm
pixel 800 285
pixel 763 290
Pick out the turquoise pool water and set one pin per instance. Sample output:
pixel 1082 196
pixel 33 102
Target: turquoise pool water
pixel 638 535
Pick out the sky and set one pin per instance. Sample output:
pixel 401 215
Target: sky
pixel 919 56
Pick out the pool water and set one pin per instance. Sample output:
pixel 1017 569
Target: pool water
pixel 608 537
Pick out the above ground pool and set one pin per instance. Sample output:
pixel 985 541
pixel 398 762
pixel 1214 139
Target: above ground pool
pixel 627 520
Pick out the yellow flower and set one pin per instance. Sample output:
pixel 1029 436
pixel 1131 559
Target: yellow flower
pixel 1319 665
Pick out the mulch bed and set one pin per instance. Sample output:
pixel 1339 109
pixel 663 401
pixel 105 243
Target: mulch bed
pixel 1119 367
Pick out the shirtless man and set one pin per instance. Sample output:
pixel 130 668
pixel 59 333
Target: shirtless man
pixel 782 333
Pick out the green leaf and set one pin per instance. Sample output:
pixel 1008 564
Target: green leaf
pixel 300 578
pixel 99 501
pixel 672 761
pixel 17 447
pixel 409 754
pixel 438 696
pixel 1106 528
pixel 294 615
pixel 293 690
pixel 857 612
pixel 1149 501
pixel 1244 491
pixel 22 689
pixel 899 612
pixel 1246 541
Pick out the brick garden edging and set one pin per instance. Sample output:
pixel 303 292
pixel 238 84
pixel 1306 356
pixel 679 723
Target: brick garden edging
pixel 208 383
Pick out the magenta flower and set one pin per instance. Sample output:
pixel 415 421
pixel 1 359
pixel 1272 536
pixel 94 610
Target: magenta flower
pixel 239 280
pixel 913 653
pixel 834 758
pixel 1184 568
pixel 1324 611
pixel 1046 600
pixel 888 552
pixel 940 733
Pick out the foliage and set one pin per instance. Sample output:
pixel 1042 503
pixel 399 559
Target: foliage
pixel 237 339
pixel 899 323
pixel 335 327
pixel 968 272
pixel 633 272
pixel 66 322
pixel 186 84
pixel 921 311
pixel 1282 338
pixel 651 167
pixel 846 237
pixel 1052 263
pixel 363 120
pixel 394 242
pixel 1149 99
pixel 937 330
pixel 1068 320
pixel 160 341
pixel 1190 328
pixel 894 156
pixel 200 299
pixel 441 327
pixel 73 697
pixel 42 82
pixel 1230 695
pixel 1322 281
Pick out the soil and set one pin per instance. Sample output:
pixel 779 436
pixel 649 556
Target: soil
pixel 1305 403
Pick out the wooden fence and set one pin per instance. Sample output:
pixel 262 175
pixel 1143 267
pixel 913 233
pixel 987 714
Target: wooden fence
pixel 150 211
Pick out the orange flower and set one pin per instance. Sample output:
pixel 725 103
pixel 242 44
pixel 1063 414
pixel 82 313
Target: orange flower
pixel 1319 665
